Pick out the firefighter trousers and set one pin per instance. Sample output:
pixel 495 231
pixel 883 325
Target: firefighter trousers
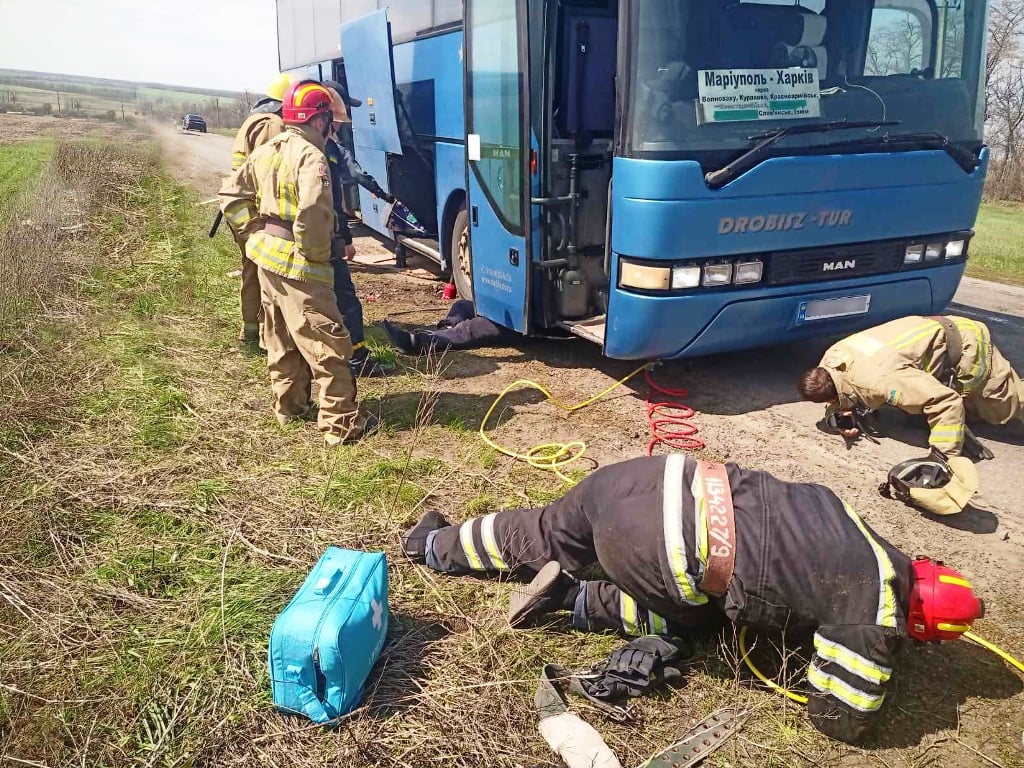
pixel 306 340
pixel 250 292
pixel 346 296
pixel 1001 398
pixel 612 518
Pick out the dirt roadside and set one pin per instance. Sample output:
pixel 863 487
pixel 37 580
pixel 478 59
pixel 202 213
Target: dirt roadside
pixel 747 411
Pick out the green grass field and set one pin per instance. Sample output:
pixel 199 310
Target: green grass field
pixel 20 165
pixel 100 99
pixel 997 252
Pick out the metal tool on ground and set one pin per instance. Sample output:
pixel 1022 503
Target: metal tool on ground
pixel 581 746
pixel 701 740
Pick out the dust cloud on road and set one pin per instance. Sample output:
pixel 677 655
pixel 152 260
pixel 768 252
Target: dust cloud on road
pixel 201 160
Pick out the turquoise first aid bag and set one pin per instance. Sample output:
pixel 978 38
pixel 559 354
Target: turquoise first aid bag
pixel 327 639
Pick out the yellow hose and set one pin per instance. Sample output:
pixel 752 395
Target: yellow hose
pixel 549 456
pixel 803 699
pixel 995 649
pixel 761 676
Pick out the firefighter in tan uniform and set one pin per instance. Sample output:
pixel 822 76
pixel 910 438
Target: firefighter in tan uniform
pixel 943 367
pixel 280 199
pixel 262 124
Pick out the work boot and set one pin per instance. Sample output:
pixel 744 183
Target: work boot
pixel 310 414
pixel 406 341
pixel 370 425
pixel 552 589
pixel 365 365
pixel 250 333
pixel 414 541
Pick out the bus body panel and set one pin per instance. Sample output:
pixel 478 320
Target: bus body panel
pixel 499 264
pixel 663 327
pixel 374 210
pixel 367 40
pixel 437 59
pixel 664 210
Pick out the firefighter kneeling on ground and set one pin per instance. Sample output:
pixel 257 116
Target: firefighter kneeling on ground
pixel 281 200
pixel 945 367
pixel 684 543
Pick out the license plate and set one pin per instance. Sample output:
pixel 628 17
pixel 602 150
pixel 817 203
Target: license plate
pixel 826 309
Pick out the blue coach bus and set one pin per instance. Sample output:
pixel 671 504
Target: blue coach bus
pixel 670 178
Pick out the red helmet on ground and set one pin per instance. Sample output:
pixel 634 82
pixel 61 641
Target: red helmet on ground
pixel 942 604
pixel 305 100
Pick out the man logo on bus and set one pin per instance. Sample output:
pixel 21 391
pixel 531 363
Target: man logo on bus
pixel 835 266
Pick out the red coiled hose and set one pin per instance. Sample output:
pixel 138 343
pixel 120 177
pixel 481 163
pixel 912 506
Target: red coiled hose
pixel 668 419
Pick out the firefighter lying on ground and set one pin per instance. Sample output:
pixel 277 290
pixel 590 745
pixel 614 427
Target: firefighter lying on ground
pixel 462 328
pixel 345 170
pixel 281 200
pixel 263 123
pixel 684 543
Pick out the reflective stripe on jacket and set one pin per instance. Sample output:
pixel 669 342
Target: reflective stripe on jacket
pixel 257 130
pixel 287 179
pixel 804 561
pixel 901 363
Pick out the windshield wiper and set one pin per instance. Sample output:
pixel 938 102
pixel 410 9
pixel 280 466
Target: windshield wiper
pixel 966 159
pixel 754 155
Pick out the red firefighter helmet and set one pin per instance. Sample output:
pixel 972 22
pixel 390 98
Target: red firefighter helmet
pixel 305 100
pixel 942 603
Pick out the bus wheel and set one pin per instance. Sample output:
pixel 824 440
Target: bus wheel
pixel 461 257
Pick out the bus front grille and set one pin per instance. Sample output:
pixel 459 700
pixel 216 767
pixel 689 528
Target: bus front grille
pixel 834 262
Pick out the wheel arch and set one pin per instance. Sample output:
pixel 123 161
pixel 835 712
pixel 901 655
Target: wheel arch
pixel 456 201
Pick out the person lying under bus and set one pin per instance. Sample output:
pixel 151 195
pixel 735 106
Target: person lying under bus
pixel 684 543
pixel 462 328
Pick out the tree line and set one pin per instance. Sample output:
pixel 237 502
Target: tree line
pixel 897 46
pixel 1004 105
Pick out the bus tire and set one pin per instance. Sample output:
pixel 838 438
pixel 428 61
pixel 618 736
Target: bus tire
pixel 461 256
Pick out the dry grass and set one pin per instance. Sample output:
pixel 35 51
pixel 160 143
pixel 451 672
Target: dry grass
pixel 155 520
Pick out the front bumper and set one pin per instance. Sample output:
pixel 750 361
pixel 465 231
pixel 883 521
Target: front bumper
pixel 646 327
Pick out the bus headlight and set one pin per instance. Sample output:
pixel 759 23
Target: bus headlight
pixel 748 272
pixel 685 276
pixel 933 251
pixel 913 254
pixel 955 249
pixel 717 274
pixel 643 276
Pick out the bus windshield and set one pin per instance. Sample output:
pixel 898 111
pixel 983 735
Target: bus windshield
pixel 707 76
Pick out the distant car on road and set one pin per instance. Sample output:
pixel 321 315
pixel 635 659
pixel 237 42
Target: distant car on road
pixel 193 123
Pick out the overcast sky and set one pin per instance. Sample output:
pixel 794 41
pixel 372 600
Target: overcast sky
pixel 227 44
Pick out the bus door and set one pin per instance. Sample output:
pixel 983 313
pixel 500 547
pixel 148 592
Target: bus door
pixel 498 158
pixel 370 75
